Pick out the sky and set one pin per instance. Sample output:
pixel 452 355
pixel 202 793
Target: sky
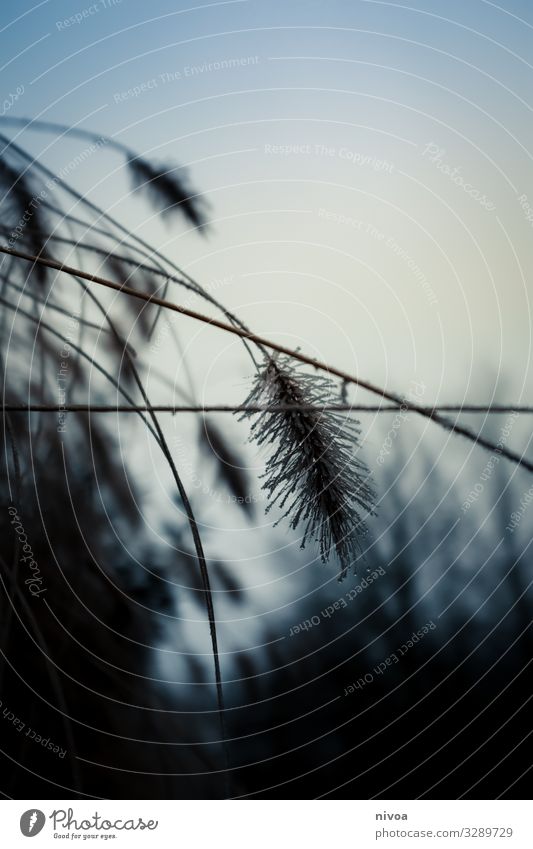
pixel 368 170
pixel 367 167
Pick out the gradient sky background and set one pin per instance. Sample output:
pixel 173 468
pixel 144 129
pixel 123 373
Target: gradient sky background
pixel 361 88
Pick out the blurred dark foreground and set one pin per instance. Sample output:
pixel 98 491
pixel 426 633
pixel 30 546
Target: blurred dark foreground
pixel 410 679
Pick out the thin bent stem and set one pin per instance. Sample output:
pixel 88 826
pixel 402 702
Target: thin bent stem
pixel 42 324
pixel 193 525
pixel 65 130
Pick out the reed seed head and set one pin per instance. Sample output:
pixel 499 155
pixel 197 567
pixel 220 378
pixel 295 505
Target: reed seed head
pixel 314 472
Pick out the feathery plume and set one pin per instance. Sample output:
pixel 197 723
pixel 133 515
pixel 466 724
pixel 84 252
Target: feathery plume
pixel 314 473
